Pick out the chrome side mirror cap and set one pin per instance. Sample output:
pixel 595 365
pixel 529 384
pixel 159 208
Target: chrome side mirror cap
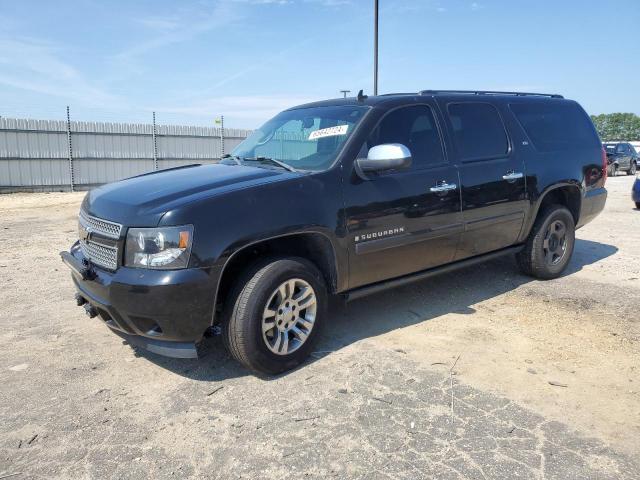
pixel 384 158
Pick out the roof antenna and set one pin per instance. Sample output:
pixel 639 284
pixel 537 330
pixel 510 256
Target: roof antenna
pixel 361 96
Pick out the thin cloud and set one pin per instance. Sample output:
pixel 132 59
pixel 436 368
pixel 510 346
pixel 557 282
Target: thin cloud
pixel 33 65
pixel 160 23
pixel 269 2
pixel 256 108
pixel 185 29
pixel 331 3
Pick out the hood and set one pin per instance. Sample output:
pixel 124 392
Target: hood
pixel 142 200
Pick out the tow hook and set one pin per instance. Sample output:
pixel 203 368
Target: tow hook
pixel 90 310
pixel 80 300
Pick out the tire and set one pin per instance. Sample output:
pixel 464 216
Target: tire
pixel 613 170
pixel 265 288
pixel 638 205
pixel 632 169
pixel 547 252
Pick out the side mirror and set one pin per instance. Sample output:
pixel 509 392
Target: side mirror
pixel 382 158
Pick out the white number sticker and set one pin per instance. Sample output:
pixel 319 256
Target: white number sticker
pixel 329 132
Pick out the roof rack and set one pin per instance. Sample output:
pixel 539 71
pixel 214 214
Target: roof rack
pixel 483 92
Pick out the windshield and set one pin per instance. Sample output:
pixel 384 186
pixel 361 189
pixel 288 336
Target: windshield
pixel 304 138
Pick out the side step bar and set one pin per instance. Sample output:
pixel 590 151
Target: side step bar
pixel 414 277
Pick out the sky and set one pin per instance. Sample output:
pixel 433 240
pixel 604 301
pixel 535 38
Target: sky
pixel 192 61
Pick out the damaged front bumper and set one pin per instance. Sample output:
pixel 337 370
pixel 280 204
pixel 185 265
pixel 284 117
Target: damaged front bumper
pixel 163 311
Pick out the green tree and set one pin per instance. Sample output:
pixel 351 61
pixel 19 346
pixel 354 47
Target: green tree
pixel 617 126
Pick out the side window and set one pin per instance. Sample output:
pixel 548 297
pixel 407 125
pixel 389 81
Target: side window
pixel 555 125
pixel 414 127
pixel 620 148
pixel 478 131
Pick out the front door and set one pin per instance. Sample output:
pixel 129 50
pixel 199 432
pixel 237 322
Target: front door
pixel 405 221
pixel 493 178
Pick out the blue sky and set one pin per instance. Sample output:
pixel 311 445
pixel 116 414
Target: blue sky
pixel 248 59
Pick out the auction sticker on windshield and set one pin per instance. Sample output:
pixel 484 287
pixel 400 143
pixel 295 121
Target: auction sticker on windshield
pixel 329 132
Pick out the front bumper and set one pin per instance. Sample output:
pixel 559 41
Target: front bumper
pixel 163 311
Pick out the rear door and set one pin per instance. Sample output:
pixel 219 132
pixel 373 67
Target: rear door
pixel 493 181
pixel 404 221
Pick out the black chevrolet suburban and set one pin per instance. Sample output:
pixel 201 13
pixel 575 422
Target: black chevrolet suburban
pixel 341 197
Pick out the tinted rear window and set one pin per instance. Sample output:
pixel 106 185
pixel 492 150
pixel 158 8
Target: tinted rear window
pixel 553 126
pixel 478 131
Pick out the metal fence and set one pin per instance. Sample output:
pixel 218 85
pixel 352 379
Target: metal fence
pixel 52 155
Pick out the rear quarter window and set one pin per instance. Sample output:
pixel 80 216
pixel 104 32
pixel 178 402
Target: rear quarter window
pixel 554 126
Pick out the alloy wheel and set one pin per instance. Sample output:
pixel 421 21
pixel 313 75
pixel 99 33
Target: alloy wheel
pixel 289 316
pixel 555 242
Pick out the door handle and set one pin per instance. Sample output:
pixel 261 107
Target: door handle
pixel 511 176
pixel 443 187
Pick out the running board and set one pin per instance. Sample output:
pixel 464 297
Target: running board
pixel 414 277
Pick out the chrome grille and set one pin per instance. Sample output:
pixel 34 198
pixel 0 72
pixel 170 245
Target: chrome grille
pixel 102 227
pixel 94 233
pixel 101 255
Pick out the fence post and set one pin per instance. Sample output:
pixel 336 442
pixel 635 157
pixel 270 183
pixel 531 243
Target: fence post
pixel 70 150
pixel 222 134
pixel 155 144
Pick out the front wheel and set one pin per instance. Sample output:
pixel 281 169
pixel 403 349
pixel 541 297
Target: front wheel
pixel 612 170
pixel 276 315
pixel 632 169
pixel 638 205
pixel 550 244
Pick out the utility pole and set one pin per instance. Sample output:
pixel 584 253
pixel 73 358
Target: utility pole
pixel 344 93
pixel 375 47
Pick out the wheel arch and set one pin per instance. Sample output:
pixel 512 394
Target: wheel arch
pixel 567 194
pixel 312 245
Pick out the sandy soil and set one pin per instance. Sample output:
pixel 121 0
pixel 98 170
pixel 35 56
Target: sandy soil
pixel 374 402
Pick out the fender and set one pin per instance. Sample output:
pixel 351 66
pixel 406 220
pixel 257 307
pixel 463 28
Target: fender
pixel 535 208
pixel 336 279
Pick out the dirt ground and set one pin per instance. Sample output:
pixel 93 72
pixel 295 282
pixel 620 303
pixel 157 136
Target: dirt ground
pixel 546 383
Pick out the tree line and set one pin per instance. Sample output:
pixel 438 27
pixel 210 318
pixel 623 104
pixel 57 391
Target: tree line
pixel 617 126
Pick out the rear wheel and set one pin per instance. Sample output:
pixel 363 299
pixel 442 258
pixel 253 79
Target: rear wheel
pixel 550 244
pixel 613 170
pixel 632 169
pixel 276 314
pixel 638 205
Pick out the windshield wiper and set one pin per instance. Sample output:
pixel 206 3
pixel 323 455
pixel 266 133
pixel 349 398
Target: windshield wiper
pixel 272 161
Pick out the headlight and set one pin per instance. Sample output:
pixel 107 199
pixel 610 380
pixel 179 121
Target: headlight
pixel 164 248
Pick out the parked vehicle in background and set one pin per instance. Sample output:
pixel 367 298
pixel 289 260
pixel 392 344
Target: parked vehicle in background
pixel 621 156
pixel 635 192
pixel 342 197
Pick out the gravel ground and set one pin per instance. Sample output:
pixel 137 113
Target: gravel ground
pixel 482 373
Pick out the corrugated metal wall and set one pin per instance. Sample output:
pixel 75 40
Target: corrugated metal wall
pixel 34 154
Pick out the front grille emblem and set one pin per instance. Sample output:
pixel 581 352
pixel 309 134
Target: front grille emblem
pixel 85 233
